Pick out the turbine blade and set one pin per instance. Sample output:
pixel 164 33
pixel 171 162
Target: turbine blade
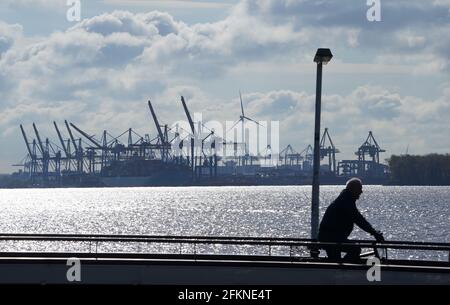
pixel 237 122
pixel 242 105
pixel 247 118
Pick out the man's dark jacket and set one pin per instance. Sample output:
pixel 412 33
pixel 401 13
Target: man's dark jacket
pixel 339 218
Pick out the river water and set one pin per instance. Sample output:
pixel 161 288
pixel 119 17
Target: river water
pixel 402 213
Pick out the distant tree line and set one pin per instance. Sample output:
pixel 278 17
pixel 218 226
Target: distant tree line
pixel 433 169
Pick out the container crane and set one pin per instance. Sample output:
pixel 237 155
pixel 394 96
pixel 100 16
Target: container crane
pixel 191 124
pixel 78 149
pixel 328 150
pixel 161 135
pixel 371 149
pixel 45 154
pixel 91 152
pixel 61 140
pixel 31 152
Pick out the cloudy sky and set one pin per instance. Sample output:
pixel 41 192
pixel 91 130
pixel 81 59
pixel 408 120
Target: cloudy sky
pixel 391 77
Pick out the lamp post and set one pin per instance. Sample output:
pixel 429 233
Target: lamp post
pixel 323 56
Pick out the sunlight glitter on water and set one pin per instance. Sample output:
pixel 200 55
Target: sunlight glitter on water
pixel 402 213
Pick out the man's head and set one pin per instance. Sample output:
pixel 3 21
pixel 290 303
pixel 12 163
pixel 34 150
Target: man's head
pixel 354 185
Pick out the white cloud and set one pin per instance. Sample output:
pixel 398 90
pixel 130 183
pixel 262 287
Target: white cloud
pixel 157 41
pixel 410 28
pixel 9 33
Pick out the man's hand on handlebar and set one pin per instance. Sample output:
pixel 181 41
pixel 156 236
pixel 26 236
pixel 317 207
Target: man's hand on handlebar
pixel 378 237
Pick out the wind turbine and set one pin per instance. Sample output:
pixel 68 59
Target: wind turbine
pixel 242 119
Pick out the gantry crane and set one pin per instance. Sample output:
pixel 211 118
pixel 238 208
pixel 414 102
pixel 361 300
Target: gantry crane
pixel 370 148
pixel 193 135
pixel 163 137
pixel 307 156
pixel 78 149
pixel 328 150
pixel 31 152
pixel 290 156
pixel 44 153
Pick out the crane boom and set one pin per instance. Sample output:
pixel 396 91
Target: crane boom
pixel 71 136
pixel 61 140
pixel 326 135
pixel 41 146
pixel 158 127
pixel 87 136
pixel 186 110
pixel 374 141
pixel 26 141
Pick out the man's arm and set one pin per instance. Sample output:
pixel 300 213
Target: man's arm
pixel 361 222
pixel 366 226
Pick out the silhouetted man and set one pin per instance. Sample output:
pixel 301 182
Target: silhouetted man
pixel 338 221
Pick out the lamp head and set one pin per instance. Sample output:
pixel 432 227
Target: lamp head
pixel 323 56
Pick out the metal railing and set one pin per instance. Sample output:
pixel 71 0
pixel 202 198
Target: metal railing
pixel 261 245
